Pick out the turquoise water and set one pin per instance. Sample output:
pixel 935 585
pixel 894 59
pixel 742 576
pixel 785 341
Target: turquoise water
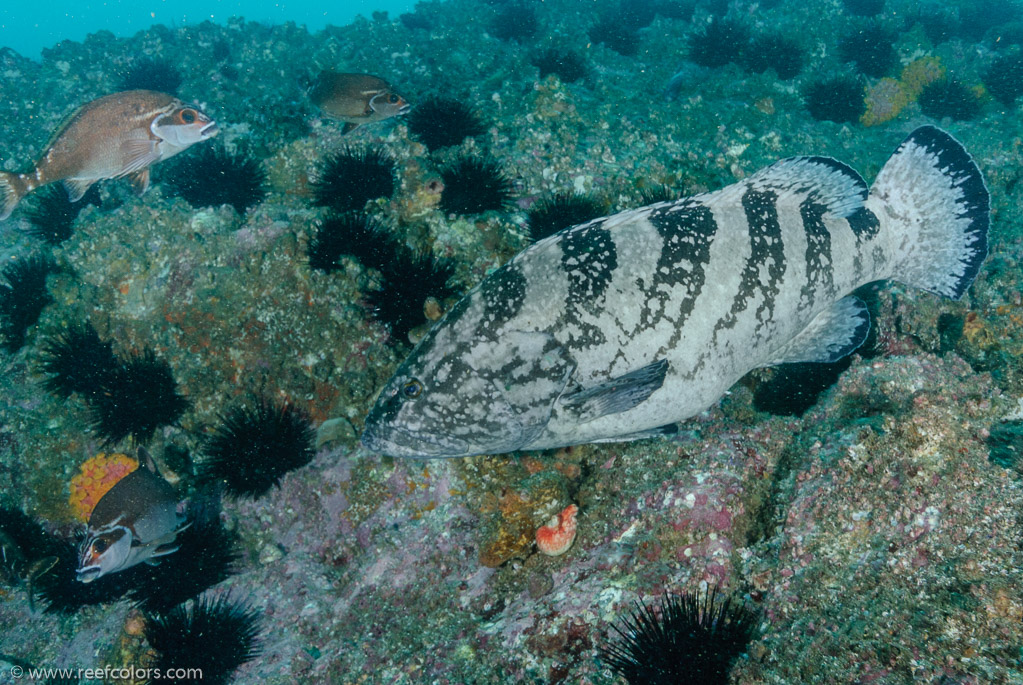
pixel 28 31
pixel 855 521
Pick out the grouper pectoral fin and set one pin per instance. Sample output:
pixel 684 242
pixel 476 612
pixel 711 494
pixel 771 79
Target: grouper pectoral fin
pixel 615 395
pixel 831 335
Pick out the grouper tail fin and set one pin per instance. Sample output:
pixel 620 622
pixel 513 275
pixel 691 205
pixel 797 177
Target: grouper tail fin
pixel 938 210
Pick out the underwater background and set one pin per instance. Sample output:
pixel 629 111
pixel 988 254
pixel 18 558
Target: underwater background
pixel 856 522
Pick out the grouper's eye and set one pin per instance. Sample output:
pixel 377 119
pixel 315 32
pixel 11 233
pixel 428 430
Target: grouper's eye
pixel 393 99
pixel 188 116
pixel 100 546
pixel 411 389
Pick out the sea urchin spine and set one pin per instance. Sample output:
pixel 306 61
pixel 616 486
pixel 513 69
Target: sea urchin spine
pixel 254 446
pixel 688 639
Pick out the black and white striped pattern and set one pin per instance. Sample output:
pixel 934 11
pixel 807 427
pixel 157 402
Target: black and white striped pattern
pixel 614 328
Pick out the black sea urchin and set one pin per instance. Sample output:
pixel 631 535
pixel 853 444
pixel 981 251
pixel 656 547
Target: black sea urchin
pixel 515 21
pixel 151 74
pixel 774 52
pixel 721 42
pixel 409 280
pixel 355 234
pixel 62 592
pixel 567 65
pixel 1004 78
pixel 51 214
pixel 212 177
pixel 138 397
pixel 255 444
pixel 76 360
pixel 473 185
pixel 25 547
pixel 794 388
pixel 206 555
pixel 688 640
pixel 949 98
pixel 441 122
pixel 615 33
pixel 550 214
pixel 839 99
pixel 22 297
pixel 871 49
pixel 211 639
pixel 351 177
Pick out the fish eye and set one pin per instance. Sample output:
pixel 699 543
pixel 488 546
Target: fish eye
pixel 100 546
pixel 412 389
pixel 188 116
pixel 393 99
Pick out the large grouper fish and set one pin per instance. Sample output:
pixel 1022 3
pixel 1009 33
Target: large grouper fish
pixel 617 328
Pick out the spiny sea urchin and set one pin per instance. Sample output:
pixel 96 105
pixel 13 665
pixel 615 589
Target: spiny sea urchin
pixel 552 213
pixel 473 185
pixel 442 122
pixel 135 399
pixel 949 98
pixel 76 360
pixel 206 555
pixel 688 640
pixel 212 177
pixel 721 41
pixel 351 177
pixel 151 74
pixel 212 638
pixel 871 49
pixel 255 444
pixel 839 99
pixel 355 234
pixel 1004 78
pixel 51 214
pixel 774 52
pixel 791 389
pixel 568 65
pixel 515 21
pixel 409 279
pixel 62 592
pixel 27 551
pixel 22 297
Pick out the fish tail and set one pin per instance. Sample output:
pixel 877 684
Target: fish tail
pixel 937 205
pixel 12 189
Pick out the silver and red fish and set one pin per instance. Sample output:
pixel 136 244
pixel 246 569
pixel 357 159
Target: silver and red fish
pixel 136 521
pixel 118 135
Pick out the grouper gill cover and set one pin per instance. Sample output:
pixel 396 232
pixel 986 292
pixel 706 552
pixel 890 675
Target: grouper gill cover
pixel 618 328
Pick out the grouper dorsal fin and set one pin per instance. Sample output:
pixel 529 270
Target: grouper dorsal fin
pixel 616 395
pixel 831 335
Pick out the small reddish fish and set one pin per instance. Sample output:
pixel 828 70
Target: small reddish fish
pixel 356 99
pixel 117 135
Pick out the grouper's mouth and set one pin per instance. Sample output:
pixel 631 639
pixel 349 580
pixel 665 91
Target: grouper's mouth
pixel 209 130
pixel 395 442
